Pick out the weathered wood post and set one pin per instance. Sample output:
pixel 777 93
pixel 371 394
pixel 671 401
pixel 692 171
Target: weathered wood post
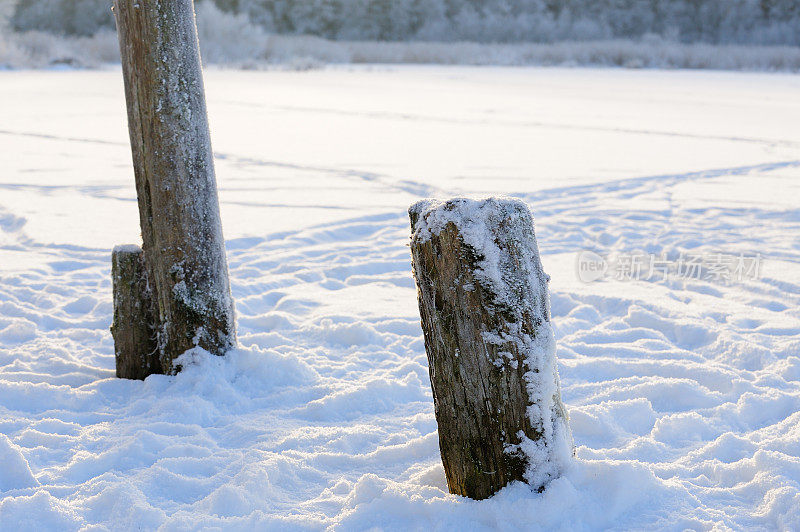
pixel 484 305
pixel 184 251
pixel 134 331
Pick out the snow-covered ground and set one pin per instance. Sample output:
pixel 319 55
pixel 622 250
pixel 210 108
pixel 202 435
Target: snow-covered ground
pixel 684 394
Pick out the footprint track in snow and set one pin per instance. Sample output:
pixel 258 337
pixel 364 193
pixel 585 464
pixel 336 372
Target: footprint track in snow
pixel 701 389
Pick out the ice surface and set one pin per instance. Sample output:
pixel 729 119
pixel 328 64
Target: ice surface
pixel 684 396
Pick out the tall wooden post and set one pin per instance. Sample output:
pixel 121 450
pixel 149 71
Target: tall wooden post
pixel 485 315
pixel 178 207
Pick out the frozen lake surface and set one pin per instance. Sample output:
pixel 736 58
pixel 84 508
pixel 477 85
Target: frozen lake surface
pixel 683 390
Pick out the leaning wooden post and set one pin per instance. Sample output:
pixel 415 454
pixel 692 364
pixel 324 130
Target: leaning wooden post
pixel 484 306
pixel 183 246
pixel 135 345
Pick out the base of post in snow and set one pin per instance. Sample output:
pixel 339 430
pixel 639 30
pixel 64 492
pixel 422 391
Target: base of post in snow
pixel 134 327
pixel 484 305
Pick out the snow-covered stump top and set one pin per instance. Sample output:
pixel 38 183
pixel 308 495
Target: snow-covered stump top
pixel 484 305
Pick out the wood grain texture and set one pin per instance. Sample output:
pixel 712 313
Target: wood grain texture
pixel 134 326
pixel 480 390
pixel 175 180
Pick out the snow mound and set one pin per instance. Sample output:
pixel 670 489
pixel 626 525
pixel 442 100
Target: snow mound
pixel 15 473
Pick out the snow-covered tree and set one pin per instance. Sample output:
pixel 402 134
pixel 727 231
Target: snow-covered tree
pixel 713 21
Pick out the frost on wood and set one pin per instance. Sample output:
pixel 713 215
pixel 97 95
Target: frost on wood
pixel 134 326
pixel 484 306
pixel 175 181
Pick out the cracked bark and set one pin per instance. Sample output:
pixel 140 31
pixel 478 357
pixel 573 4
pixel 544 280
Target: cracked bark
pixel 481 407
pixel 184 253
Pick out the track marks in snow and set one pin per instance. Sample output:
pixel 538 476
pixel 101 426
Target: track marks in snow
pixel 383 115
pixel 683 395
pixel 352 389
pixel 689 377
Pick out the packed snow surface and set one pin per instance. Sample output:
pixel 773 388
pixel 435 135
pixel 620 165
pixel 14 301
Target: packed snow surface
pixel 683 393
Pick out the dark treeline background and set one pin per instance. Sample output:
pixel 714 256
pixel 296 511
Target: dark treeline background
pixel 773 22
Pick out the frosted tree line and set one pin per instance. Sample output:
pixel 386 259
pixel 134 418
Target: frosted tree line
pixel 767 22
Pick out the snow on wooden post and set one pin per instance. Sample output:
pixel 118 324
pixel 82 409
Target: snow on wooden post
pixel 178 207
pixel 135 345
pixel 484 305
